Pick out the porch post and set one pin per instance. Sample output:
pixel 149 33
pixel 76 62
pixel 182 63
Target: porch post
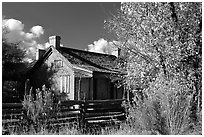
pixel 27 86
pixel 91 88
pixel 124 90
pixel 78 98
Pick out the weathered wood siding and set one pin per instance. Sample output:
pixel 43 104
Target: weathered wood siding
pixel 66 69
pixel 83 89
pixel 49 75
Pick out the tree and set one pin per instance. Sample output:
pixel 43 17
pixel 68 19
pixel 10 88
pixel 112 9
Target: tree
pixel 11 52
pixel 163 60
pixel 12 66
pixel 160 37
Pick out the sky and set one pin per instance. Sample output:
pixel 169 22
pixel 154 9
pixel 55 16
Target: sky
pixel 80 24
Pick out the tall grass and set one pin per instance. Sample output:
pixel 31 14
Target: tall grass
pixel 39 108
pixel 166 110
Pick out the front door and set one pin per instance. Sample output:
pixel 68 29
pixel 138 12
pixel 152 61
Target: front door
pixel 103 89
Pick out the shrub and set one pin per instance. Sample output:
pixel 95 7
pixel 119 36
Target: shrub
pixel 40 108
pixel 167 108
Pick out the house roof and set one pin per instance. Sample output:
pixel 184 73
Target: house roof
pixel 92 68
pixel 91 60
pixel 82 59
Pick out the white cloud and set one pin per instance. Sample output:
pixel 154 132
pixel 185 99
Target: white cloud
pixel 103 46
pixel 14 36
pixel 47 44
pixel 29 36
pixel 37 30
pixel 13 24
pixel 15 33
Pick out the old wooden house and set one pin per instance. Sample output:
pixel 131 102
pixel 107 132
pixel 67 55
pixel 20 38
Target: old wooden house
pixel 76 74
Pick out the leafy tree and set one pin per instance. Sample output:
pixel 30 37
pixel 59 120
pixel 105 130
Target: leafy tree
pixel 160 38
pixel 11 52
pixel 12 64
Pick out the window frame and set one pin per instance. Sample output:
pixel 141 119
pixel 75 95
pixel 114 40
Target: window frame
pixel 65 82
pixel 58 63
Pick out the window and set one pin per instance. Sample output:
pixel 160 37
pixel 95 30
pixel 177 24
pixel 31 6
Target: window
pixel 58 63
pixel 65 84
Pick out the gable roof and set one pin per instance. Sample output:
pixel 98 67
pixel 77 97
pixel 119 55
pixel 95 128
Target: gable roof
pixel 82 57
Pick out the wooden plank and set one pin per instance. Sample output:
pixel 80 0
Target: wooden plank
pixel 9 122
pixel 104 101
pixel 100 124
pixel 116 104
pixel 96 111
pixel 62 120
pixel 14 116
pixel 12 105
pixel 71 106
pixel 9 128
pixel 105 105
pixel 66 116
pixel 71 103
pixel 110 106
pixel 110 121
pixel 68 110
pixel 12 111
pixel 107 117
pixel 102 114
pixel 68 120
pixel 101 110
pixel 60 124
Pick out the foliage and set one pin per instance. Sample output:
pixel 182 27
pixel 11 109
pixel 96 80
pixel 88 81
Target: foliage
pixel 66 130
pixel 12 67
pixel 160 38
pixel 162 42
pixel 40 108
pixel 167 109
pixel 11 52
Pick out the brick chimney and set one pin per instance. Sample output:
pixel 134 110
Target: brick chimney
pixel 55 41
pixel 116 51
pixel 39 53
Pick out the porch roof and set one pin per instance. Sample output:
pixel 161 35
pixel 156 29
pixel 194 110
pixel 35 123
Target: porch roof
pixel 92 68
